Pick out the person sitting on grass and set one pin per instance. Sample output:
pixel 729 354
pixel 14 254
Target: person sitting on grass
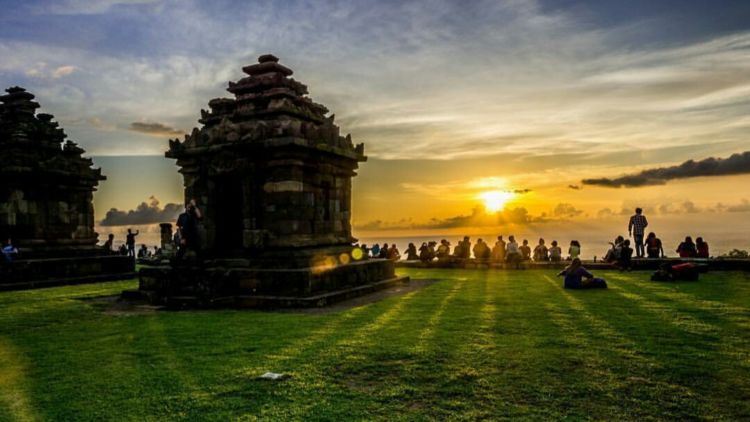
pixel 578 277
pixel 626 256
pixel 701 248
pixel 525 251
pixel 541 253
pixel 555 252
pixel 687 248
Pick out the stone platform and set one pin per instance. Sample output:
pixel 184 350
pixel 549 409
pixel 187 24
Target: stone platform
pixel 48 272
pixel 232 283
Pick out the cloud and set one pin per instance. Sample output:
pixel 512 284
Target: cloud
pixel 574 187
pixel 145 213
pixel 155 129
pixel 686 207
pixel 743 206
pixel 564 210
pixel 88 7
pixel 42 71
pixel 734 164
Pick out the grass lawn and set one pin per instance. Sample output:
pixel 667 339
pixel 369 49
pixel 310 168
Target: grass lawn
pixel 477 344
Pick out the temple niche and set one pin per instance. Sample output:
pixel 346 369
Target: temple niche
pixel 46 194
pixel 272 174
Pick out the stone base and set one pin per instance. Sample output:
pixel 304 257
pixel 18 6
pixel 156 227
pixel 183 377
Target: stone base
pixel 33 273
pixel 225 283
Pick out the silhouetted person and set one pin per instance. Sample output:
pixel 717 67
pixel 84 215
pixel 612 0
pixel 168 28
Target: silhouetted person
pixel 431 250
pixel 383 251
pixel 626 255
pixel 375 250
pixel 187 226
pixel 574 251
pixel 411 252
pixel 636 228
pixel 123 250
pixel 463 249
pixel 701 248
pixel 512 252
pixel 130 241
pixel 481 251
pixel 9 251
pixel 142 252
pixel 577 277
pixel 393 253
pixel 498 251
pixel 424 252
pixel 555 252
pixel 654 248
pixel 541 253
pixel 687 248
pixel 365 251
pixel 157 251
pixel 444 250
pixel 109 244
pixel 525 250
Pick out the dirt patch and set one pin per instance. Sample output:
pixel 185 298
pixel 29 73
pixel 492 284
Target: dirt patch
pixel 365 299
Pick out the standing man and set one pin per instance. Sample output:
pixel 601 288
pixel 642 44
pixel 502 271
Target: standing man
pixel 187 228
pixel 636 228
pixel 130 241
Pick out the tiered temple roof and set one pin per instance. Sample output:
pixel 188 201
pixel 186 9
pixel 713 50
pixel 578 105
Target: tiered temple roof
pixel 268 105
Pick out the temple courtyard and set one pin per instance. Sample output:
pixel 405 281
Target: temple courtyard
pixel 452 344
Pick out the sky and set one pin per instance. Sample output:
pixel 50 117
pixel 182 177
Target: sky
pixel 545 103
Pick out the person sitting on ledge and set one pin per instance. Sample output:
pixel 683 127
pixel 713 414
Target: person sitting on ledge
pixel 143 251
pixel 555 252
pixel 613 254
pixel 578 277
pixel 541 253
pixel 525 251
pixel 687 249
pixel 512 252
pixel 393 253
pixel 10 252
pixel 481 251
pixel 365 250
pixel 463 249
pixel 187 225
pixel 411 252
pixel 109 244
pixel 701 248
pixel 654 248
pixel 375 250
pixel 574 251
pixel 444 250
pixel 383 254
pixel 498 251
pixel 626 256
pixel 431 250
pixel 123 250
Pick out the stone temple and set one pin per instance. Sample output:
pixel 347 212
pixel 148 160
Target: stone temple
pixel 272 175
pixel 46 193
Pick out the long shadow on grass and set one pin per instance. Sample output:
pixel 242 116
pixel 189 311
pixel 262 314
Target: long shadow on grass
pixel 668 380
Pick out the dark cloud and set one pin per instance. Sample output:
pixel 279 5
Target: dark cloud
pixel 734 164
pixel 574 187
pixel 521 191
pixel 145 213
pixel 156 129
pixel 477 218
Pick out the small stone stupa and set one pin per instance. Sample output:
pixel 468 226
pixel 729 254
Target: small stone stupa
pixel 46 208
pixel 272 175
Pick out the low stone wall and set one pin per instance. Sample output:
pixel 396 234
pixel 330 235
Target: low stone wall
pixel 637 264
pixel 33 273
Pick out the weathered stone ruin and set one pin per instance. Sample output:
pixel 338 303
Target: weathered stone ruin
pixel 272 175
pixel 46 193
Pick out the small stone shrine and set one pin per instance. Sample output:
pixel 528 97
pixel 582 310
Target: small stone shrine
pixel 46 209
pixel 272 176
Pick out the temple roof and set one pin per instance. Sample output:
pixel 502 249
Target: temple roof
pixel 34 143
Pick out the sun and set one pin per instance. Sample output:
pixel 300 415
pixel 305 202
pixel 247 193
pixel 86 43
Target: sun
pixel 495 200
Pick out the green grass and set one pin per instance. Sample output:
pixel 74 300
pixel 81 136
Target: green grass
pixel 478 344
